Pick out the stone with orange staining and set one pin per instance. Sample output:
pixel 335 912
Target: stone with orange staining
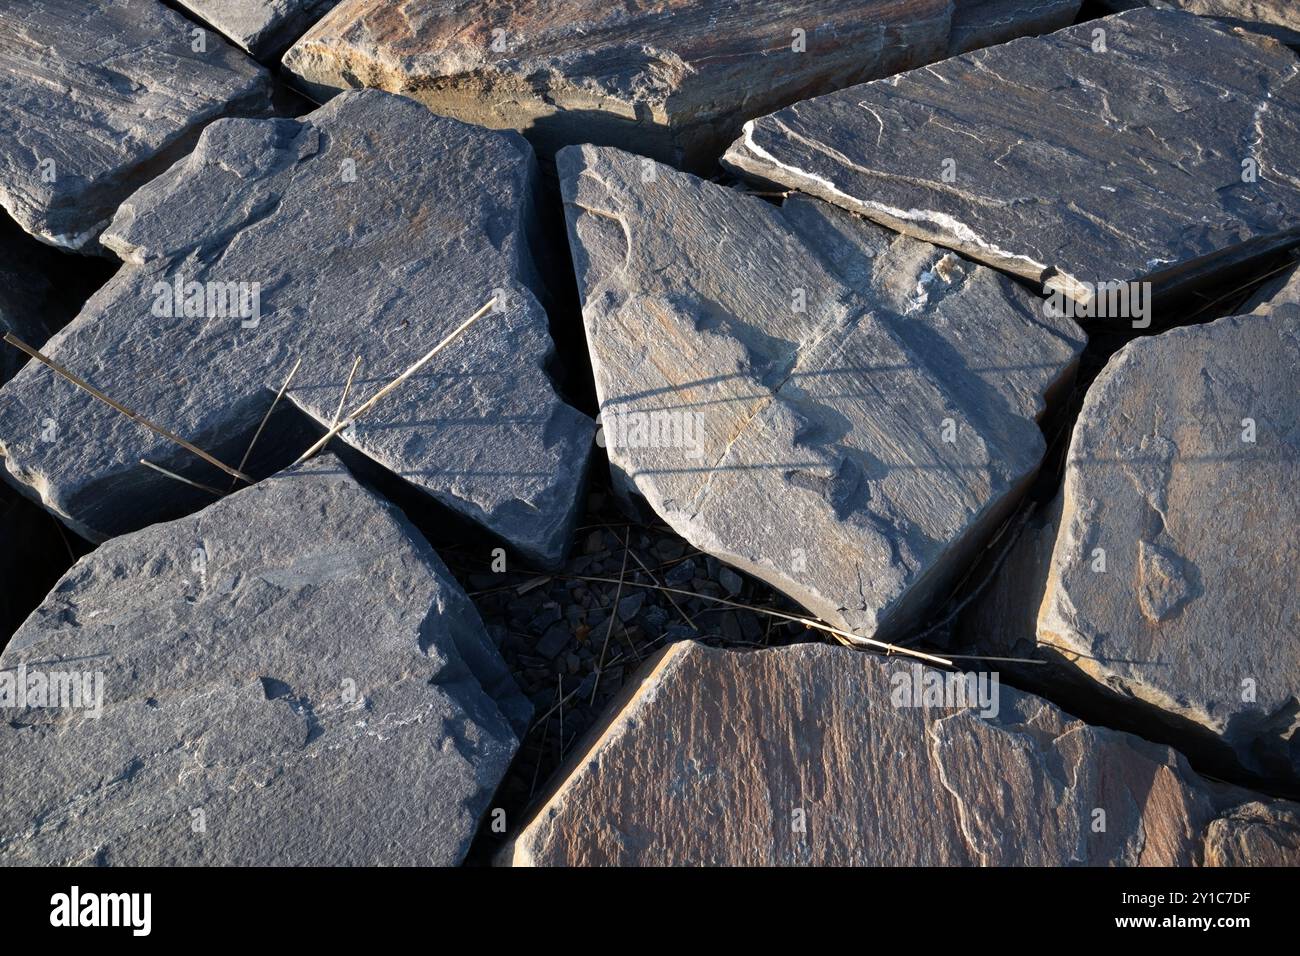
pixel 673 79
pixel 811 755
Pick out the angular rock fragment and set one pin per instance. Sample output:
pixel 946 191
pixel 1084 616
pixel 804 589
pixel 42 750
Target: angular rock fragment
pixel 1172 581
pixel 672 79
pixel 289 677
pixel 369 228
pixel 1146 146
pixel 980 23
pixel 841 411
pixel 262 27
pixel 1255 834
pixel 98 99
pixel 812 755
pixel 1279 19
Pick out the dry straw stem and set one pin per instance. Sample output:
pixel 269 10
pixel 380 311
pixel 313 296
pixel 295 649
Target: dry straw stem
pixel 347 387
pixel 845 637
pixel 267 417
pixel 181 478
pixel 613 616
pixel 119 407
pixel 374 399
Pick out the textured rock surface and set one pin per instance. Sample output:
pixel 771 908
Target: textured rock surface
pixel 720 755
pixel 373 228
pixel 1196 613
pixel 671 79
pixel 1065 164
pixel 98 99
pixel 1276 18
pixel 980 23
pixel 262 27
pixel 1255 834
pixel 294 662
pixel 839 410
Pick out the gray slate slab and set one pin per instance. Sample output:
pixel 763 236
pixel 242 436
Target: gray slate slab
pixel 289 677
pixel 1062 162
pixel 98 98
pixel 803 755
pixel 372 228
pixel 262 27
pixel 836 409
pixel 1196 613
pixel 672 79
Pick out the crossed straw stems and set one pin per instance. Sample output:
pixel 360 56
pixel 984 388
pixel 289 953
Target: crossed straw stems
pixel 340 424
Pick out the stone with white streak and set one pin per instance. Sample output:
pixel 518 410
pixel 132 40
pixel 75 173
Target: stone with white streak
pixel 841 411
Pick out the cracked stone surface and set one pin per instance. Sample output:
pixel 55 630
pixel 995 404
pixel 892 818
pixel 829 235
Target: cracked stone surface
pixel 672 79
pixel 1196 613
pixel 100 98
pixel 1279 19
pixel 262 27
pixel 841 411
pixel 294 663
pixel 373 228
pixel 1142 143
pixel 800 756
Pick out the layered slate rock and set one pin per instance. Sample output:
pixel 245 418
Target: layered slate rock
pixel 100 98
pixel 836 409
pixel 262 27
pixel 289 677
pixel 1183 483
pixel 672 79
pixel 980 23
pixel 369 228
pixel 1276 18
pixel 1255 834
pixel 803 755
pixel 1147 146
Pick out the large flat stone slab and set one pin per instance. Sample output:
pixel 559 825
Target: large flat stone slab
pixel 803 755
pixel 100 98
pixel 672 79
pixel 262 27
pixel 289 677
pixel 839 410
pixel 371 228
pixel 1184 475
pixel 1072 159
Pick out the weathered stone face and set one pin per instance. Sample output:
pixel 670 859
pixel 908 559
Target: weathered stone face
pixel 1276 18
pixel 1073 159
pixel 288 677
pixel 672 79
pixel 1172 579
pixel 262 27
pixel 807 755
pixel 840 411
pixel 369 228
pixel 98 99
